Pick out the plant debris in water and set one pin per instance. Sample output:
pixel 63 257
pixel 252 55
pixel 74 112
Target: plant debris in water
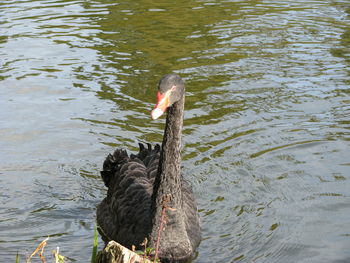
pixel 40 248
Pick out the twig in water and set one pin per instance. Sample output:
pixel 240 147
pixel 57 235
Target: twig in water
pixel 40 247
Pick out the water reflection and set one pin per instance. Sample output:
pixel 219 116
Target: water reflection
pixel 153 40
pixel 344 50
pixel 266 125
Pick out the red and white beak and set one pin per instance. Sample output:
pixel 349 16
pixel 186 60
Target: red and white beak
pixel 163 102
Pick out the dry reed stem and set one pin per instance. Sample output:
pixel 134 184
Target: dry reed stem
pixel 41 247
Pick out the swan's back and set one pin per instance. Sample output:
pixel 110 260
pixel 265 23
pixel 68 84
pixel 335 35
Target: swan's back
pixel 124 215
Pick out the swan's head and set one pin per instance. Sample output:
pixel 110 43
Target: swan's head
pixel 171 89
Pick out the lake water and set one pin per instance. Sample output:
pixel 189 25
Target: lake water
pixel 266 130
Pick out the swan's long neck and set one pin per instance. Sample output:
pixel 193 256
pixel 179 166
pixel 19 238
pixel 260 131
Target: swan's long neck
pixel 168 176
pixel 168 180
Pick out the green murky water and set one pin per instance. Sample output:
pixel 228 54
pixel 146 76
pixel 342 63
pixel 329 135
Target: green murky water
pixel 266 132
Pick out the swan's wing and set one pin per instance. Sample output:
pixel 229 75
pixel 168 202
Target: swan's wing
pixel 147 155
pixel 124 215
pixel 150 158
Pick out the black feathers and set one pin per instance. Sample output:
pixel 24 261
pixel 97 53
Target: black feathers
pixel 124 215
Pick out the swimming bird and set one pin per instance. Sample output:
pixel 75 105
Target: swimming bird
pixel 147 195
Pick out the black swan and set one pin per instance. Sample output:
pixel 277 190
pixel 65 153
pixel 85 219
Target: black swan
pixel 142 186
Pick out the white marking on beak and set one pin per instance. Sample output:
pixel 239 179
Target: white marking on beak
pixel 156 113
